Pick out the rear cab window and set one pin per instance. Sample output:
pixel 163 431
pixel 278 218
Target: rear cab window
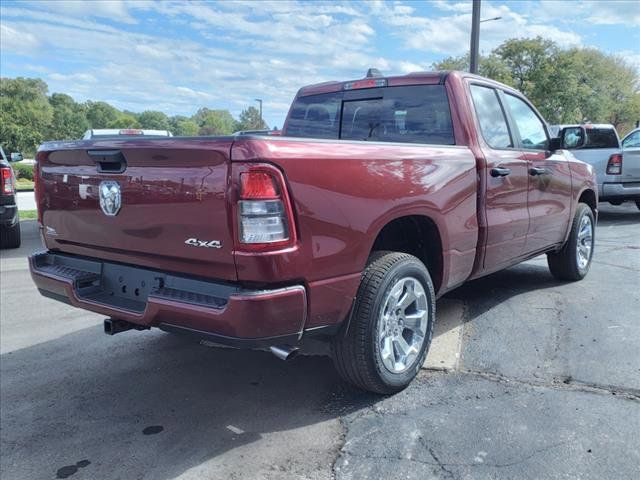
pixel 601 138
pixel 407 114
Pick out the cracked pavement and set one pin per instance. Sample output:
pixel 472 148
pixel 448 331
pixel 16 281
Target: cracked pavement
pixel 546 385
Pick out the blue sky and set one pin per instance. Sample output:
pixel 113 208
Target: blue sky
pixel 177 56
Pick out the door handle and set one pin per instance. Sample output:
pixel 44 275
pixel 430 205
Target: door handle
pixel 536 171
pixel 500 172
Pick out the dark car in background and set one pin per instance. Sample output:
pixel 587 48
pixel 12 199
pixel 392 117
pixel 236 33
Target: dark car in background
pixel 9 221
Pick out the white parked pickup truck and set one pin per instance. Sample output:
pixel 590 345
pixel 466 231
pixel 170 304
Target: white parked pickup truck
pixel 127 132
pixel 617 164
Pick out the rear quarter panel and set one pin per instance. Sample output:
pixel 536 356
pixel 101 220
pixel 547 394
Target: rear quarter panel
pixel 345 192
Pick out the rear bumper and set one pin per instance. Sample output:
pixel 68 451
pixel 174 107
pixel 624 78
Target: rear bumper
pixel 620 191
pixel 223 313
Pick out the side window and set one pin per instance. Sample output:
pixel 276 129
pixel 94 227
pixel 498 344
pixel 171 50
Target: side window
pixel 632 141
pixel 532 132
pixel 491 117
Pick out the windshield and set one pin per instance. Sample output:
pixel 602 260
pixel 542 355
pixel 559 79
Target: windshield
pixel 412 114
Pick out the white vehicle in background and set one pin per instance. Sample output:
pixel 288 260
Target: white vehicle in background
pixel 124 132
pixel 616 164
pixel 631 156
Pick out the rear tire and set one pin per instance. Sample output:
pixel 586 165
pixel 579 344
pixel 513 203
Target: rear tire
pixel 10 236
pixel 573 261
pixel 387 339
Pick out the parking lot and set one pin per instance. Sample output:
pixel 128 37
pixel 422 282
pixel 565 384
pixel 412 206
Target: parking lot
pixel 542 380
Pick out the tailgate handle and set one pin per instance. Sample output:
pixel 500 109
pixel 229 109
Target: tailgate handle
pixel 109 161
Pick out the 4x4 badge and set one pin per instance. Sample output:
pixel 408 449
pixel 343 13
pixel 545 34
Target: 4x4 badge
pixel 194 242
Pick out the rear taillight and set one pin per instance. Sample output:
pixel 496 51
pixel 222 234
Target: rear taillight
pixel 8 186
pixel 37 182
pixel 265 217
pixel 614 166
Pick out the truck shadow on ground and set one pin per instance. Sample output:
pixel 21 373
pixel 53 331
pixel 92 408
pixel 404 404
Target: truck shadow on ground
pixel 153 405
pixel 481 295
pixel 625 214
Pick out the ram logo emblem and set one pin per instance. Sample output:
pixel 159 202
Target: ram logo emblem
pixel 110 197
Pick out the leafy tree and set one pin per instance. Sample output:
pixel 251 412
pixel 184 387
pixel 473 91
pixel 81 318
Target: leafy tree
pixel 101 114
pixel 25 114
pixel 250 120
pixel 567 86
pixel 153 120
pixel 69 118
pixel 124 120
pixel 214 122
pixel 182 126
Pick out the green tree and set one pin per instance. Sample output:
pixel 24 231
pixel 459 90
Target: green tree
pixel 182 126
pixel 101 114
pixel 69 118
pixel 250 120
pixel 153 120
pixel 567 86
pixel 214 122
pixel 490 66
pixel 124 120
pixel 25 114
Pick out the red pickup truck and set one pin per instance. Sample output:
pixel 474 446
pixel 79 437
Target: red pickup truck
pixel 381 195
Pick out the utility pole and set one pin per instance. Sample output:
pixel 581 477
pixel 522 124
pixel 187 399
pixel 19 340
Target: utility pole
pixel 475 37
pixel 259 100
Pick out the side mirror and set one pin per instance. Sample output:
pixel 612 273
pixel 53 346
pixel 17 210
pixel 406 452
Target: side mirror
pixel 555 144
pixel 15 157
pixel 572 137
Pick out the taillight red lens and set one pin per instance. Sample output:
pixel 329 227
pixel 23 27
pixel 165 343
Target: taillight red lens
pixel 257 185
pixel 265 215
pixel 614 166
pixel 8 188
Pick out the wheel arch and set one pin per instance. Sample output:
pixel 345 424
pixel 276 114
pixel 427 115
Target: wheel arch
pixel 417 235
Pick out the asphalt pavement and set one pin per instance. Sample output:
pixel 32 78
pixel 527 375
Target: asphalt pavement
pixel 536 379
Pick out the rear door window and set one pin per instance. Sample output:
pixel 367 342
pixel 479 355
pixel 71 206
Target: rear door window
pixel 493 123
pixel 601 138
pixel 412 114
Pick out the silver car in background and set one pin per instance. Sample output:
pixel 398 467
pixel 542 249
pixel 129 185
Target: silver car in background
pixel 616 164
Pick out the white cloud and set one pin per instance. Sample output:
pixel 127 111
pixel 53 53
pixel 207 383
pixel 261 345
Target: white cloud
pixel 450 34
pixel 115 10
pixel 225 54
pixel 12 40
pixel 631 57
pixel 73 77
pixel 595 12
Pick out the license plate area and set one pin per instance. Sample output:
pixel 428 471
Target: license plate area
pixel 124 287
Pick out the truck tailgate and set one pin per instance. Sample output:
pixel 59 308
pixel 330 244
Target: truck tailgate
pixel 173 212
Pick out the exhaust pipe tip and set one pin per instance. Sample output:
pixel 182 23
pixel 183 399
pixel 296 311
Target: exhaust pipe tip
pixel 285 352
